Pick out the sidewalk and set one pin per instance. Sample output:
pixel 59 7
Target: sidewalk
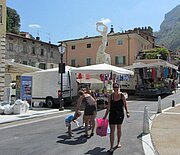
pixel 165 132
pixel 35 112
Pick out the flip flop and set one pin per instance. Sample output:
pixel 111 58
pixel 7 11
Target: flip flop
pixel 110 151
pixel 118 146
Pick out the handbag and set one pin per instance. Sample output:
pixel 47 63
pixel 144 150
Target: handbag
pixel 102 126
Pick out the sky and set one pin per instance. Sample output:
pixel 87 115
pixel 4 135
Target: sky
pixel 58 20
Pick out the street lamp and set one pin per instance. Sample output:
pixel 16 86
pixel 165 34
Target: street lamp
pixel 62 49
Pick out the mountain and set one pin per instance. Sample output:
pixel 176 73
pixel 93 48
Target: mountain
pixel 169 34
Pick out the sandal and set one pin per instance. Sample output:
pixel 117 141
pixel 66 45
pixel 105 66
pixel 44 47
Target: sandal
pixel 110 151
pixel 92 134
pixel 118 146
pixel 86 135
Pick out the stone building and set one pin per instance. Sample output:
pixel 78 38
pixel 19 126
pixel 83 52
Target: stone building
pixel 33 52
pixel 2 47
pixel 123 47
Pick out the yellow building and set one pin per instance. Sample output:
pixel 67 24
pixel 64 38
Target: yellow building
pixel 2 46
pixel 123 47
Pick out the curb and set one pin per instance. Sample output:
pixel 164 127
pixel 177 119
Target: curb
pixel 147 143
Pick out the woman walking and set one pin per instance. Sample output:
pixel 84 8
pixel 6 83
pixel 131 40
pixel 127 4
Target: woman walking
pixel 115 108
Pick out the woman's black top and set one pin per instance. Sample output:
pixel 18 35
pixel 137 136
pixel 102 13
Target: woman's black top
pixel 116 114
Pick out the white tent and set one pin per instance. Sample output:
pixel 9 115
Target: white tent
pixel 101 69
pixel 152 64
pixel 91 80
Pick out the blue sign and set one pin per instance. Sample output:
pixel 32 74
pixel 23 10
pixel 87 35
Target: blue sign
pixel 26 88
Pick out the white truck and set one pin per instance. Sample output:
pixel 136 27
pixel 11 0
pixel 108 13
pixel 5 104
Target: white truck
pixel 46 86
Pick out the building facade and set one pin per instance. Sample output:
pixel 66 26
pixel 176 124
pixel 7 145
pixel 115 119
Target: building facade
pixel 32 52
pixel 2 47
pixel 122 47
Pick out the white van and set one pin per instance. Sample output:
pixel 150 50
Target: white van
pixel 46 86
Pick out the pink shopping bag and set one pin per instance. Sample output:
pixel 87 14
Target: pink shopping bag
pixel 102 126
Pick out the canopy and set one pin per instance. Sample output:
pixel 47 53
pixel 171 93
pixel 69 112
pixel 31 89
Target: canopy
pixel 152 64
pixel 91 80
pixel 101 69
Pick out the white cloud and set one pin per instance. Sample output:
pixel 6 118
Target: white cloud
pixel 34 26
pixel 105 21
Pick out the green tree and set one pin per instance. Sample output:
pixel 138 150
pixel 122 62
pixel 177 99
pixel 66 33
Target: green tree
pixel 13 21
pixel 152 54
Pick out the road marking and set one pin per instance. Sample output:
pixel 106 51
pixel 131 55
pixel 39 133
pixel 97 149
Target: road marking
pixel 172 113
pixel 33 121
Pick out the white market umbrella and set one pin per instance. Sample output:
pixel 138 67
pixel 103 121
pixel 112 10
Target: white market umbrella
pixel 101 69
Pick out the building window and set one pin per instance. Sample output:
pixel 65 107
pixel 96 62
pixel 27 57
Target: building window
pixel 24 62
pixel 88 61
pixel 24 48
pixel 33 50
pixel 107 44
pixel 42 52
pixel 120 42
pixel 42 65
pixel 120 60
pixel 51 66
pixel 88 45
pixel 73 47
pixel 11 46
pixel 33 64
pixel 10 38
pixel 0 13
pixel 51 55
pixel 73 62
pixel 153 45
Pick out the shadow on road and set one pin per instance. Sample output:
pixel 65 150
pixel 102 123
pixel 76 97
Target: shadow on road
pixel 71 140
pixel 97 151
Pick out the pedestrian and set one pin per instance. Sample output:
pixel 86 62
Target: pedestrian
pixel 72 118
pixel 90 111
pixel 173 86
pixel 90 92
pixel 115 108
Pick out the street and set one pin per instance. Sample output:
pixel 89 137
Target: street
pixel 48 137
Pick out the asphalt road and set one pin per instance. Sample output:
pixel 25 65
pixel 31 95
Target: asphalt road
pixel 48 137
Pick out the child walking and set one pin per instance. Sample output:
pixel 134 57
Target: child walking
pixel 72 118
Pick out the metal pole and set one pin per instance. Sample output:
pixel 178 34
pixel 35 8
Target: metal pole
pixel 61 107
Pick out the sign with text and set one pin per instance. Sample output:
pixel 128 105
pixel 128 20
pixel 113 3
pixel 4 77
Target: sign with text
pixel 26 88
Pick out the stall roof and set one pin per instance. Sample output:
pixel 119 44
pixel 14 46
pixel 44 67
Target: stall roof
pixel 101 69
pixel 150 64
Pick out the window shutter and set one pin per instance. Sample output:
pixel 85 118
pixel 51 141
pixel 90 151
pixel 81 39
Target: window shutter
pixel 124 59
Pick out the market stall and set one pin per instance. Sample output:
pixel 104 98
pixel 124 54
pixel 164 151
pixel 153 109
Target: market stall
pixel 104 73
pixel 154 78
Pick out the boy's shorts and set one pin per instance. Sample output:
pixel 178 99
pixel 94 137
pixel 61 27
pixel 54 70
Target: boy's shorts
pixel 67 124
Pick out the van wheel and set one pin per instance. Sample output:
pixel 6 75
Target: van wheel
pixel 50 103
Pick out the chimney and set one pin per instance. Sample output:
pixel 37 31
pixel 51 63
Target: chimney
pixel 37 38
pixel 112 29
